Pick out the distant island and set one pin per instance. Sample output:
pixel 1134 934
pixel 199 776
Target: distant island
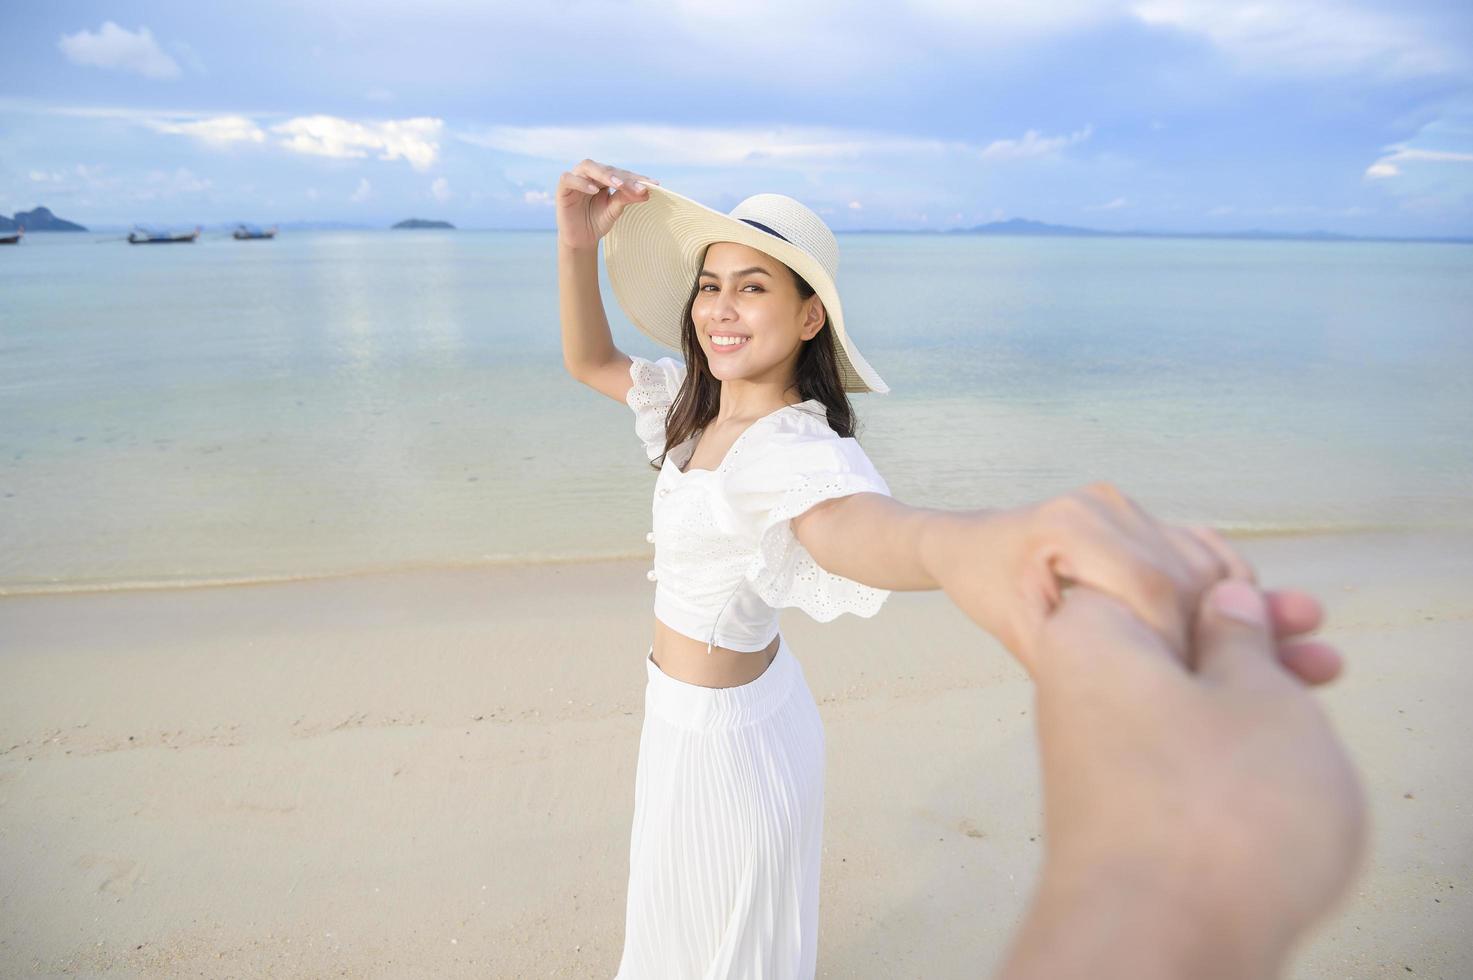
pixel 1023 228
pixel 423 223
pixel 39 219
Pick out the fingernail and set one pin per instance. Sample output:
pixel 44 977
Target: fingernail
pixel 1240 600
pixel 617 182
pixel 638 186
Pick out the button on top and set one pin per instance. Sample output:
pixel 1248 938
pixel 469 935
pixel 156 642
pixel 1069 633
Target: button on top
pixel 651 575
pixel 650 537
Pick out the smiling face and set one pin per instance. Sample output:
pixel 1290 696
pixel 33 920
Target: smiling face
pixel 748 314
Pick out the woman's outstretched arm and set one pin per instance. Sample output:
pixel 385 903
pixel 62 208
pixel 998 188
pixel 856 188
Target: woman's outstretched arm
pixel 879 541
pixel 1005 568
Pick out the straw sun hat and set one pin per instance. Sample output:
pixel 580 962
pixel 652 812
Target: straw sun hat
pixel 654 252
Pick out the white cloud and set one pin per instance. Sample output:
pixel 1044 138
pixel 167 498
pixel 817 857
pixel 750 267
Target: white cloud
pixel 115 47
pixel 79 179
pixel 1309 36
pixel 855 206
pixel 1390 165
pixel 640 144
pixel 415 140
pixel 440 189
pixel 1112 205
pixel 699 146
pixel 215 130
pixel 1011 20
pixel 181 181
pixel 537 197
pixel 1033 144
pixel 362 193
pixel 838 41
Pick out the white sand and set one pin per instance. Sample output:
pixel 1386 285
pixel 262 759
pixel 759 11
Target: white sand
pixel 431 774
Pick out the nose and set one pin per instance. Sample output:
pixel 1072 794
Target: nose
pixel 720 307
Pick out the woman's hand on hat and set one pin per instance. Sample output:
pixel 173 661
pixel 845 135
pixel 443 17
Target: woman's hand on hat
pixel 1099 537
pixel 585 208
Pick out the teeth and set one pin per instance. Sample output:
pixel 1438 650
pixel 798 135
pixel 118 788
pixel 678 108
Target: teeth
pixel 727 341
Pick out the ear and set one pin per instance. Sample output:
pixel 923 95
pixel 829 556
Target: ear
pixel 814 319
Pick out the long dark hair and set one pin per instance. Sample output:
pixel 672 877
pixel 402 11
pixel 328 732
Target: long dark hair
pixel 699 398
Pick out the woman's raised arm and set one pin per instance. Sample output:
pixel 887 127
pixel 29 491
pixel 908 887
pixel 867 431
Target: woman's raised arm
pixel 585 213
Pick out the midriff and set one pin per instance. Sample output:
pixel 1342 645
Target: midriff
pixel 686 659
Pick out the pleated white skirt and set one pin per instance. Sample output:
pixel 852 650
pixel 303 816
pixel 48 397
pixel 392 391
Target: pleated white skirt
pixel 728 824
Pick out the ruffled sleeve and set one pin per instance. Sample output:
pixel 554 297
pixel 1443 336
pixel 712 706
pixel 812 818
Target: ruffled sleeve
pixel 653 391
pixel 778 480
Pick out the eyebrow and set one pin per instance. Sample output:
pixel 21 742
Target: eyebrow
pixel 737 274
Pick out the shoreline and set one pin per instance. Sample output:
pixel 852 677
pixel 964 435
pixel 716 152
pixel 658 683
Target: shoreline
pixel 431 772
pixel 285 578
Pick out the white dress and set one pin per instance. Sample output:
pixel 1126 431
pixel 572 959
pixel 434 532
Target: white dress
pixel 726 844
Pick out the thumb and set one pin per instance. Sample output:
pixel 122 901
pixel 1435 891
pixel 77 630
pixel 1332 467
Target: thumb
pixel 1232 639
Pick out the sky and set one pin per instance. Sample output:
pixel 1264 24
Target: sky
pixel 1172 115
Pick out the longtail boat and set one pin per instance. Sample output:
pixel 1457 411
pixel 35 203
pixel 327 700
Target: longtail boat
pixel 12 237
pixel 143 236
pixel 248 232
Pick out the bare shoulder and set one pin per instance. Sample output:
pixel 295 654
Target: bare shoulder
pixel 611 378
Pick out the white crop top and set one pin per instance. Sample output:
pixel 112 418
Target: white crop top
pixel 726 558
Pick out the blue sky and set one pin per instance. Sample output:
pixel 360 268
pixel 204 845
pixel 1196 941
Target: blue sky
pixel 1354 117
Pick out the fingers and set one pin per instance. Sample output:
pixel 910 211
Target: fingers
pixel 1089 632
pixel 1312 662
pixel 577 182
pixel 601 175
pixel 1232 642
pixel 1293 612
pixel 1236 565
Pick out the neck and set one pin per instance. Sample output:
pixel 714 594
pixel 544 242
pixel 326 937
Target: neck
pixel 748 399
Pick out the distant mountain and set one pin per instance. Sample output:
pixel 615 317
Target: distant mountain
pixel 423 223
pixel 39 219
pixel 1023 227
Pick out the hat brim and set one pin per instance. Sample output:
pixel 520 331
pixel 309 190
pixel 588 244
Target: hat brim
pixel 653 254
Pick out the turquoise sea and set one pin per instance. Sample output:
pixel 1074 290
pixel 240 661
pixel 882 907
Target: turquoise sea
pixel 339 402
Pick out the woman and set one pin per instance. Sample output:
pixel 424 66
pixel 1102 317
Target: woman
pixel 765 500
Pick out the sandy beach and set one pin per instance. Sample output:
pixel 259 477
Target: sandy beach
pixel 430 774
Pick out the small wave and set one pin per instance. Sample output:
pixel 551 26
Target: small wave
pixel 209 582
pixel 1243 530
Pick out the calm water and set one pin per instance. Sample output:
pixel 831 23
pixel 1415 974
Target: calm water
pixel 341 402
